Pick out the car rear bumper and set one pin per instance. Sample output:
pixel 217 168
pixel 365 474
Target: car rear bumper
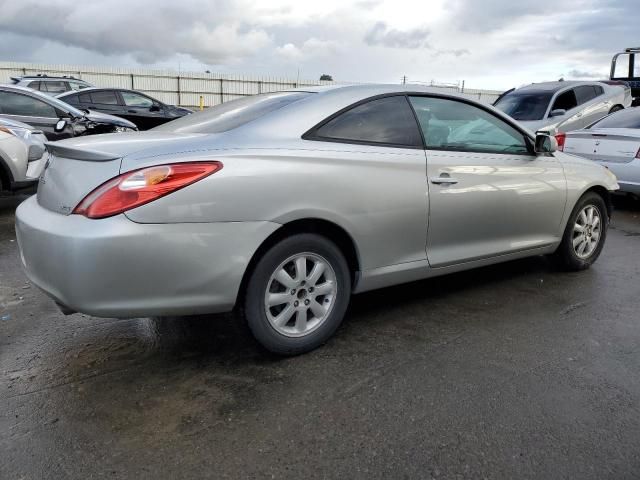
pixel 628 175
pixel 115 267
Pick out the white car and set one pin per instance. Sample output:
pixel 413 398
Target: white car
pixel 559 107
pixel 22 154
pixel 613 142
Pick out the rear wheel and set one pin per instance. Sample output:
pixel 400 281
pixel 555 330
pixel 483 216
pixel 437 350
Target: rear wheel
pixel 297 294
pixel 616 108
pixel 585 233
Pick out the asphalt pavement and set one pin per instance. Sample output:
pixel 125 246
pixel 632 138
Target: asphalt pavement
pixel 512 371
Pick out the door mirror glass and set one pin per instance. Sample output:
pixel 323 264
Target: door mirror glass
pixel 545 144
pixel 154 108
pixel 60 125
pixel 558 112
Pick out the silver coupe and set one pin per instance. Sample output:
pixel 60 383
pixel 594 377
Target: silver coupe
pixel 282 205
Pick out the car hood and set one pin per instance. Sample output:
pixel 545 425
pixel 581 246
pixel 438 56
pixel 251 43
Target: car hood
pixel 534 125
pixel 13 123
pixel 99 117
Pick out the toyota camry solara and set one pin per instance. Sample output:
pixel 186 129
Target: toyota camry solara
pixel 284 204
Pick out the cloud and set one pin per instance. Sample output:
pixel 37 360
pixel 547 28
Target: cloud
pixel 380 34
pixel 582 74
pixel 311 48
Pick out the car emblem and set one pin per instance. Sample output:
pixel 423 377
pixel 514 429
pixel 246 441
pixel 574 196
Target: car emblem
pixel 597 142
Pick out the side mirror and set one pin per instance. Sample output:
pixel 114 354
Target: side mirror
pixel 154 108
pixel 545 144
pixel 558 112
pixel 35 152
pixel 60 126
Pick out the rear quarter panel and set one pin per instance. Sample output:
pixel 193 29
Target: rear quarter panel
pixel 377 194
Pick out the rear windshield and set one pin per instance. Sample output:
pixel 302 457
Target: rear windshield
pixel 525 106
pixel 236 113
pixel 628 118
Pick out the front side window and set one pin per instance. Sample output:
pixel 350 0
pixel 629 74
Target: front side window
pixel 525 106
pixel 77 85
pixel 565 101
pixel 135 100
pixel 388 121
pixel 70 99
pixel 457 126
pixel 104 97
pixel 23 105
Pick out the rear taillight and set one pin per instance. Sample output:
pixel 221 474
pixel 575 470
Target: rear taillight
pixel 132 189
pixel 560 138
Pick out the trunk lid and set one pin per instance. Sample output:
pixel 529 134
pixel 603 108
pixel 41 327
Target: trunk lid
pixel 613 145
pixel 76 166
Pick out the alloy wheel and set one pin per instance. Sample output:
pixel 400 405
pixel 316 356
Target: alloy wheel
pixel 587 231
pixel 300 294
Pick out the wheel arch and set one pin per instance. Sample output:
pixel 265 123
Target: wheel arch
pixel 319 226
pixel 6 178
pixel 604 193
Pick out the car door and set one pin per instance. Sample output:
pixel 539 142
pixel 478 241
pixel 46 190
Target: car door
pixel 572 119
pixel 592 103
pixel 144 111
pixel 105 101
pixel 32 111
pixel 489 195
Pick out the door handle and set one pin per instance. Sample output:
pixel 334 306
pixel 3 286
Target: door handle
pixel 443 180
pixel 579 114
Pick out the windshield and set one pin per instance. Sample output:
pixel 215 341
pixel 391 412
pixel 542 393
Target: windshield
pixel 236 113
pixel 628 118
pixel 525 106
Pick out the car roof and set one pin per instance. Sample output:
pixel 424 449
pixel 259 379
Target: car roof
pixel 47 77
pixel 552 87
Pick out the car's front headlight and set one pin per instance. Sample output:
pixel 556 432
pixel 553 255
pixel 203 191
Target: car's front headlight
pixel 22 133
pixel 119 129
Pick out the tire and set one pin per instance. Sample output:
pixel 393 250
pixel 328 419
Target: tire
pixel 581 230
pixel 616 108
pixel 284 309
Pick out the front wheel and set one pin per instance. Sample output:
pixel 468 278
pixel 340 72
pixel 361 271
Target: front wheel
pixel 585 233
pixel 297 294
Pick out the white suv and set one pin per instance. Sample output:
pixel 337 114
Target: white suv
pixel 51 85
pixel 22 155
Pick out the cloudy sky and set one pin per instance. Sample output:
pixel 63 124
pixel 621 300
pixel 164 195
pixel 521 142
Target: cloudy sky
pixel 488 43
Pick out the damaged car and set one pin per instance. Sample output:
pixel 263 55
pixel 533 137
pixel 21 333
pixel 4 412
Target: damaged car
pixel 55 118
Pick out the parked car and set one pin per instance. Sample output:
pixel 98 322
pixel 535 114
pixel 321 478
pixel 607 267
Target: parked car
pixel 146 112
pixel 50 85
pixel 283 204
pixel 21 155
pixel 563 106
pixel 613 142
pixel 55 118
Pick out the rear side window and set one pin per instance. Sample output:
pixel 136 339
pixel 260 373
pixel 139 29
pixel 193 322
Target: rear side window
pixel 84 98
pixel 234 114
pixel 77 85
pixel 54 87
pixel 627 118
pixel 70 99
pixel 585 93
pixel 386 121
pixel 105 97
pixel 565 101
pixel 599 90
pixel 23 105
pixel 34 85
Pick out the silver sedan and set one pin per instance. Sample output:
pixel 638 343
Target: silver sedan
pixel 282 205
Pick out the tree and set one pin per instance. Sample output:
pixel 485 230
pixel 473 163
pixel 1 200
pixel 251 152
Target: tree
pixel 326 77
